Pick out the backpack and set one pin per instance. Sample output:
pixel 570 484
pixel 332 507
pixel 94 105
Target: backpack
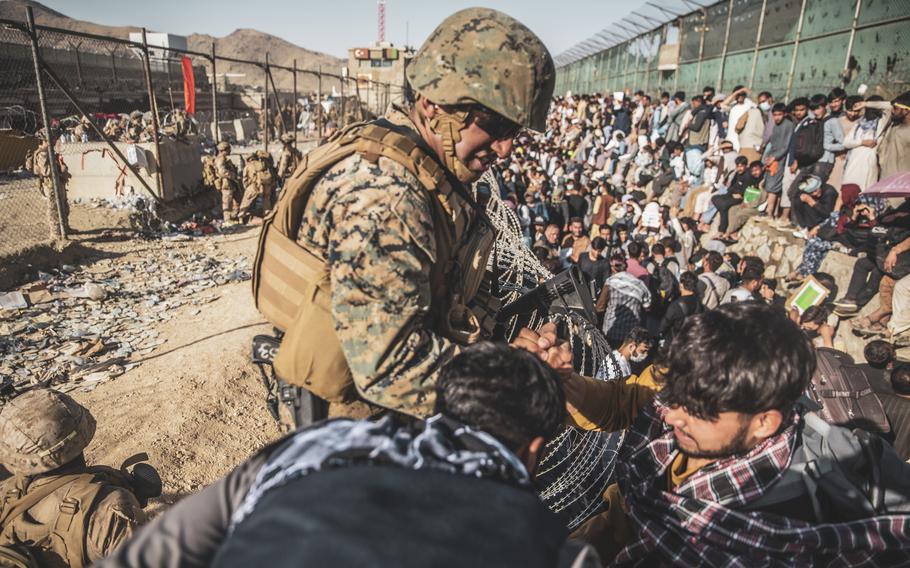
pixel 66 535
pixel 843 391
pixel 846 475
pixel 808 143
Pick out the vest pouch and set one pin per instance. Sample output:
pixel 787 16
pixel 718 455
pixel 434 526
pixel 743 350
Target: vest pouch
pixel 462 325
pixel 473 257
pixel 310 355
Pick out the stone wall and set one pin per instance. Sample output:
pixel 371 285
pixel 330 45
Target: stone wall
pixel 782 253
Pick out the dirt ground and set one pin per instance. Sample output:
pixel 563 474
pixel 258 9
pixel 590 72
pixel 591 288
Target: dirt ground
pixel 196 404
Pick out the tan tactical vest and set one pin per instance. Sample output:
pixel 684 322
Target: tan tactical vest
pixel 66 536
pixel 291 285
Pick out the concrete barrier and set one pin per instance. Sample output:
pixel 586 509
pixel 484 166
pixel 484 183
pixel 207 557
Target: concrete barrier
pixel 98 172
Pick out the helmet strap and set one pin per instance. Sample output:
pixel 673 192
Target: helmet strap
pixel 448 125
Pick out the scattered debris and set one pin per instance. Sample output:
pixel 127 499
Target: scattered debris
pixel 82 325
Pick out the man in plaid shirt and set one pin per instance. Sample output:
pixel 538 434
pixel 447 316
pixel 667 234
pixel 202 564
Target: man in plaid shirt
pixel 697 461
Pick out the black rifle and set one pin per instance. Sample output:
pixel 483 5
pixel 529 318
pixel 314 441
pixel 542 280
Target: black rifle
pixel 567 293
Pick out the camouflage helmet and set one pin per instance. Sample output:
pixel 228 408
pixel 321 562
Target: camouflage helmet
pixel 42 430
pixel 223 147
pixel 479 55
pixel 136 114
pixel 263 154
pixel 287 138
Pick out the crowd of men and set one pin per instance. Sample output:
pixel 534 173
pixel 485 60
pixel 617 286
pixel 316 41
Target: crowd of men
pixel 645 195
pixel 739 448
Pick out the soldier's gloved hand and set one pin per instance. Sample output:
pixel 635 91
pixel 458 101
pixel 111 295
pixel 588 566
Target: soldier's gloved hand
pixel 546 345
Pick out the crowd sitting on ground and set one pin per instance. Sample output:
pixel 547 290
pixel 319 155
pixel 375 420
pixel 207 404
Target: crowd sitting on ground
pixel 645 195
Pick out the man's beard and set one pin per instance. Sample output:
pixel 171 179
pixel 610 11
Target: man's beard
pixel 736 446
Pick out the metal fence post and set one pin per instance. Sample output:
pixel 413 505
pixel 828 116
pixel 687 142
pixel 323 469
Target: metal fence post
pixel 215 131
pixel 701 46
pixel 341 119
pixel 319 109
pixel 799 32
pixel 761 26
pixel 55 204
pixel 154 108
pixel 844 76
pixel 265 105
pixel 723 55
pixel 294 105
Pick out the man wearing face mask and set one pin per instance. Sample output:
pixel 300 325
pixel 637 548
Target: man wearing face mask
pixel 374 262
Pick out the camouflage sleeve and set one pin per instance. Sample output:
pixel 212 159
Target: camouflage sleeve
pixel 112 523
pixel 283 164
pixel 380 247
pixel 223 169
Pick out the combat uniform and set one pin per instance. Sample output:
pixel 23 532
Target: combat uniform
pixel 374 262
pixel 288 160
pixel 227 182
pixel 38 162
pixel 208 171
pixel 258 180
pixel 61 511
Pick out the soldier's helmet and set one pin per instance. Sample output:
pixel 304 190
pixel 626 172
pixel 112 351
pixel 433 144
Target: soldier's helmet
pixel 42 430
pixel 287 138
pixel 479 55
pixel 263 155
pixel 136 114
pixel 223 147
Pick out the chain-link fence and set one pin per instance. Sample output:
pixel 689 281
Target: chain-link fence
pixel 129 119
pixel 28 209
pixel 787 47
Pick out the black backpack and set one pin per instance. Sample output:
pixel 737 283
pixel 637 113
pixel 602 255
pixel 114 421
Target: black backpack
pixel 845 474
pixel 809 143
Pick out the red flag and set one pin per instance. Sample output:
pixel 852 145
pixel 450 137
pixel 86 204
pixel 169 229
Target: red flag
pixel 189 85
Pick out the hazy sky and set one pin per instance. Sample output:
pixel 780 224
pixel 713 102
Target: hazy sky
pixel 335 25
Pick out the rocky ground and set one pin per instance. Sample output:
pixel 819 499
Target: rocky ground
pixel 153 336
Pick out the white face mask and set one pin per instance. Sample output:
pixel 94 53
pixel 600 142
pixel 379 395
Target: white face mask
pixel 638 357
pixel 765 106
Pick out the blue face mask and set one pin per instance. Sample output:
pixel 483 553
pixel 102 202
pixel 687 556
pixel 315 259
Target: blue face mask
pixel 765 106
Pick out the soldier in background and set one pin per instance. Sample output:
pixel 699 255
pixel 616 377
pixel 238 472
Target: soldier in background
pixel 289 159
pixel 38 162
pixel 208 171
pixel 136 130
pixel 259 179
pixel 227 181
pixel 113 128
pixel 55 507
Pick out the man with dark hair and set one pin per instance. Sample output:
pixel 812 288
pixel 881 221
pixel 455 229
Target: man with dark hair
pixel 893 156
pixel 686 305
pixel 813 206
pixel 879 354
pixel 637 253
pixel 388 493
pixel 708 473
pixel 712 287
pixel 593 264
pixel 634 350
pixel 900 379
pixel 576 239
pixel 750 281
pixel 678 108
pixel 806 144
pixel 699 133
pixel 777 144
pixel 742 179
pixel 623 300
